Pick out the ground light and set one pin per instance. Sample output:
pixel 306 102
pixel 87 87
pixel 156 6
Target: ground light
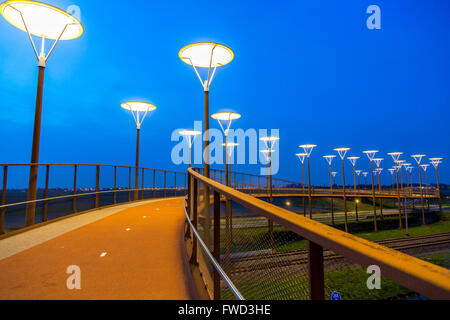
pixel 371 155
pixel 329 160
pixel 210 56
pixel 353 161
pixel 342 153
pixel 139 110
pixel 225 120
pixel 46 22
pixel 302 158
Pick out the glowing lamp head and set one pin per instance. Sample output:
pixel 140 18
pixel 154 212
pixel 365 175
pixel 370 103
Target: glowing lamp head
pixel 190 133
pixel 378 162
pixel 206 55
pixel 302 157
pixel 308 148
pixel 353 160
pixel 418 158
pixel 41 19
pixel 138 106
pixel 358 172
pixel 436 162
pixel 225 120
pixel 329 159
pixel 342 152
pixel 371 154
pixel 395 155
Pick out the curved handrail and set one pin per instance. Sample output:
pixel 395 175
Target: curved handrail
pixel 214 262
pixel 420 276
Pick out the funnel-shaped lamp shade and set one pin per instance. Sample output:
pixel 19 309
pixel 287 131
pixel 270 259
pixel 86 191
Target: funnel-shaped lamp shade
pixel 418 158
pixel 138 106
pixel 371 154
pixel 308 148
pixel 378 162
pixel 353 160
pixel 302 157
pixel 329 159
pixel 226 116
pixel 206 54
pixel 190 133
pixel 342 152
pixel 395 155
pixel 41 19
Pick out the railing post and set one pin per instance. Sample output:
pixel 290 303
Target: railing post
pixel 185 185
pixel 129 184
pixel 194 223
pixel 115 185
pixel 165 183
pixel 316 272
pixel 3 211
pixel 154 183
pixel 47 175
pixel 143 185
pixel 175 193
pixel 74 200
pixel 216 244
pixel 97 187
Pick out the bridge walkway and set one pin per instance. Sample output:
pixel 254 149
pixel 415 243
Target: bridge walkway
pixel 136 253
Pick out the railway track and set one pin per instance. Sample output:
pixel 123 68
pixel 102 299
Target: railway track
pixel 299 257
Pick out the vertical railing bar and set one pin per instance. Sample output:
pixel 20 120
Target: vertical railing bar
pixel 97 187
pixel 193 259
pixel 129 184
pixel 3 211
pixel 115 184
pixel 47 175
pixel 316 272
pixel 216 254
pixel 74 201
pixel 165 183
pixel 154 183
pixel 143 185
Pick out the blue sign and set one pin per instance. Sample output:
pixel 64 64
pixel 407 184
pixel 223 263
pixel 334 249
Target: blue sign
pixel 336 296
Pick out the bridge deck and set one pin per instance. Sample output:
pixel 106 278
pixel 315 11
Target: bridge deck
pixel 145 259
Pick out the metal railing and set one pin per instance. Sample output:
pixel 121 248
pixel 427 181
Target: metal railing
pixel 403 270
pixel 81 196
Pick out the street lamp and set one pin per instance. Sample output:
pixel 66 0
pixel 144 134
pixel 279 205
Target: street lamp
pixel 308 149
pixel 358 173
pixel 396 157
pixel 302 157
pixel 436 162
pixel 270 144
pixel 190 136
pixel 342 153
pixel 330 159
pixel 365 174
pixel 392 171
pixel 229 147
pixel 419 158
pixel 225 120
pixel 353 161
pixel 334 174
pixel 425 169
pixel 371 155
pixel 378 171
pixel 209 56
pixel 46 22
pixel 139 110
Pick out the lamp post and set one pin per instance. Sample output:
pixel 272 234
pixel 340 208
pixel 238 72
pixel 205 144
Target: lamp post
pixel 209 56
pixel 334 174
pixel 353 161
pixel 358 173
pixel 409 189
pixel 139 110
pixel 425 169
pixel 302 157
pixel 371 155
pixel 268 154
pixel 378 171
pixel 308 149
pixel 365 174
pixel 419 158
pixel 436 162
pixel 330 159
pixel 229 147
pixel 392 171
pixel 190 136
pixel 46 22
pixel 225 120
pixel 342 153
pixel 396 157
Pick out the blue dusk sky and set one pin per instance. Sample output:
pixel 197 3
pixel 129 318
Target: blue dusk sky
pixel 311 69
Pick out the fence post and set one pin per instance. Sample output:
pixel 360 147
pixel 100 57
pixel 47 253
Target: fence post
pixel 175 183
pixel 3 211
pixel 143 185
pixel 154 183
pixel 129 184
pixel 216 244
pixel 165 183
pixel 47 175
pixel 115 184
pixel 316 272
pixel 194 223
pixel 74 201
pixel 97 187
